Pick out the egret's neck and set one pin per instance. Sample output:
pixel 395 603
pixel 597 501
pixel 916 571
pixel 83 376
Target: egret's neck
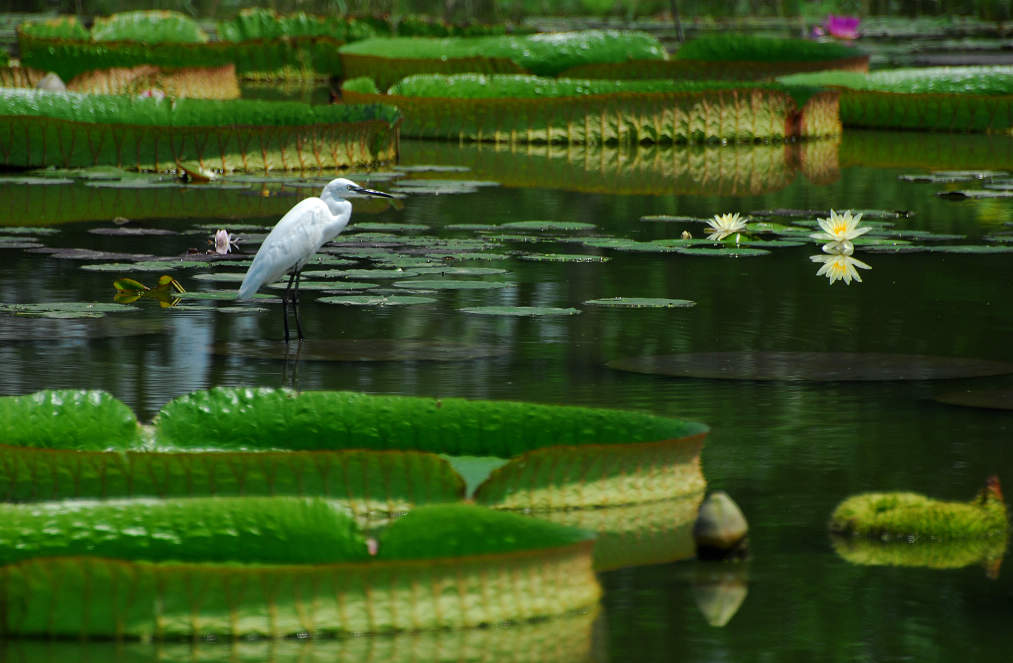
pixel 336 205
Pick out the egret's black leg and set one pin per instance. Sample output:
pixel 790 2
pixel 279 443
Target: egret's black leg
pixel 284 306
pixel 298 316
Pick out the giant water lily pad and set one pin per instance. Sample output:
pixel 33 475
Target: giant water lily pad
pixel 520 311
pixel 816 366
pixel 641 302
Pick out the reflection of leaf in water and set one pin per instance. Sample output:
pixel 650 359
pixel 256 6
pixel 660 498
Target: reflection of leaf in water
pixel 814 366
pixel 362 350
pixel 994 399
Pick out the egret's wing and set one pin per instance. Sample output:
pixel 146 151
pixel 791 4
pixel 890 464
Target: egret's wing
pixel 293 240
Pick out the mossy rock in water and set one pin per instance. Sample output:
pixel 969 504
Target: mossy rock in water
pixel 280 567
pixel 913 517
pixel 376 455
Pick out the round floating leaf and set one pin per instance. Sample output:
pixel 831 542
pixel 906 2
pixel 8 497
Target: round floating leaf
pixel 231 227
pixel 542 226
pixel 817 366
pixel 388 227
pixel 971 248
pixel 27 230
pixel 438 189
pixel 89 254
pixel 360 273
pixel 326 285
pixel 377 300
pixel 729 252
pixel 642 302
pixel 362 350
pixel 431 168
pixel 459 271
pixel 519 238
pixel 149 266
pixel 226 277
pixel 131 231
pixel 18 243
pixel 563 257
pixel 478 256
pixel 669 218
pixel 617 244
pixel 994 399
pixel 451 284
pixel 34 181
pixel 520 311
pixel 1001 238
pixel 134 184
pixel 66 309
pixel 66 419
pixel 471 226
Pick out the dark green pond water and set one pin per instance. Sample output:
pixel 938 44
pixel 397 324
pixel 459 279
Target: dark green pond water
pixel 787 450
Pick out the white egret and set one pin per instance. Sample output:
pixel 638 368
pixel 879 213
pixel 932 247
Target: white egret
pixel 297 237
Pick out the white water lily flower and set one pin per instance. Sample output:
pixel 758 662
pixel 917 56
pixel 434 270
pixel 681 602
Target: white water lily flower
pixel 839 266
pixel 839 230
pixel 225 242
pixel 723 225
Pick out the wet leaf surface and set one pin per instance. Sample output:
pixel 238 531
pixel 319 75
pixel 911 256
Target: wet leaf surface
pixel 813 366
pixel 564 257
pixel 377 300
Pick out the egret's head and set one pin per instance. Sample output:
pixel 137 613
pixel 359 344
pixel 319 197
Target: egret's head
pixel 342 188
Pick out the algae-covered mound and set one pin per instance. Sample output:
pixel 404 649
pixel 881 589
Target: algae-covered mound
pixel 913 517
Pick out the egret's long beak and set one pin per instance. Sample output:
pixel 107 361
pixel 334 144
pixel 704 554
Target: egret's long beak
pixel 371 192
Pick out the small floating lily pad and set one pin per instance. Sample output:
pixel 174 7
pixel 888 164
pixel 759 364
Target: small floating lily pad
pixel 218 295
pixel 370 226
pixel 34 181
pixel 617 244
pixel 148 266
pixel 477 255
pixel 669 218
pixel 65 309
pixel 451 284
pixel 813 366
pixel 326 285
pixel 471 226
pixel 19 243
pixel 459 271
pixel 131 231
pixel 971 248
pixel 992 399
pixel 377 300
pixel 642 302
pixel 431 168
pixel 134 184
pixel 27 230
pixel 563 257
pixel 359 273
pixel 729 252
pixel 559 226
pixel 89 254
pixel 361 350
pixel 520 311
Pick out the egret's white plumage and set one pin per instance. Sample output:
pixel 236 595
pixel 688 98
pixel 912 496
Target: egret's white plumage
pixel 298 236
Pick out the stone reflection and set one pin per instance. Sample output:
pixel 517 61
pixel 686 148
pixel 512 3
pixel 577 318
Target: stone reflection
pixel 719 591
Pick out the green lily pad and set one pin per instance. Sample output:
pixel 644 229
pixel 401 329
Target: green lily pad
pixel 563 257
pixel 975 193
pixel 134 184
pixel 1001 238
pixel 131 231
pixel 451 284
pixel 992 399
pixel 813 366
pixel 971 248
pixel 669 218
pixel 867 214
pixel 377 300
pixel 617 244
pixel 27 230
pixel 434 188
pixel 500 237
pixel 90 254
pixel 477 256
pixel 362 350
pixel 520 311
pixel 369 226
pixel 459 271
pixel 542 226
pixel 222 277
pixel 219 295
pixel 641 302
pixel 19 243
pixel 148 266
pixel 325 285
pixel 65 309
pixel 360 273
pixel 471 226
pixel 729 252
pixel 431 168
pixel 34 181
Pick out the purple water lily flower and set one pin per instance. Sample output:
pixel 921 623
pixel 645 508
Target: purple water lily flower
pixel 842 27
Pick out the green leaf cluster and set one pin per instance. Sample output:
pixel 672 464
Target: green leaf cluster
pixel 458 530
pixel 212 529
pixel 362 84
pixel 726 47
pixel 910 516
pixel 59 27
pixel 149 26
pixel 544 54
pixel 118 109
pixel 256 23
